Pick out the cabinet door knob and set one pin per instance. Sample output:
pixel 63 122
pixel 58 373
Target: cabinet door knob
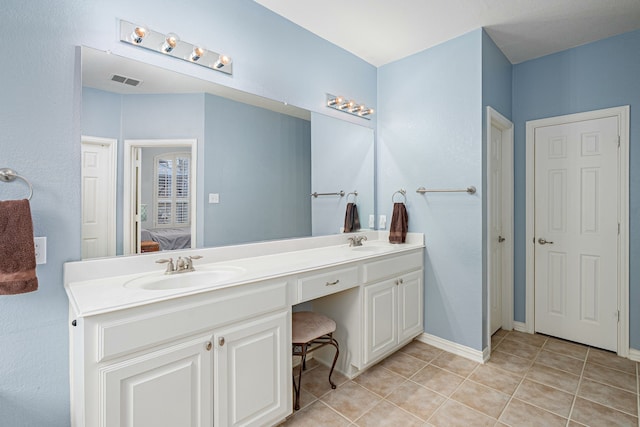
pixel 221 341
pixel 208 346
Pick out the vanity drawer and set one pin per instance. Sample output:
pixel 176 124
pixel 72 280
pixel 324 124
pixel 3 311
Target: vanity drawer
pixel 145 327
pixel 327 282
pixel 389 267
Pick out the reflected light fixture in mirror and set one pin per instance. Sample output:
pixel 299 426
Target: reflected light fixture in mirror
pixel 171 45
pixel 348 106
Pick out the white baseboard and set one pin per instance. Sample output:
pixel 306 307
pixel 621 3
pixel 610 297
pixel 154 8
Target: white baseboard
pixel 520 327
pixel 455 348
pixel 634 354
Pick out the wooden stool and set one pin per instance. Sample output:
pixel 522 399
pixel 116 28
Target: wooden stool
pixel 149 246
pixel 311 331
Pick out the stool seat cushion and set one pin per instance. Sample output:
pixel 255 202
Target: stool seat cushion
pixel 307 326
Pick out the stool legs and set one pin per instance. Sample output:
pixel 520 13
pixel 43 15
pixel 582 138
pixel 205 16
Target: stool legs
pixel 302 351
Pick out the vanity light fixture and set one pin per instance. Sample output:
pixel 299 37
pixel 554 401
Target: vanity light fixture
pixel 171 45
pixel 348 106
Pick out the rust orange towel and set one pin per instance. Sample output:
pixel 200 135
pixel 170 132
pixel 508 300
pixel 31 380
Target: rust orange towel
pixel 17 254
pixel 399 224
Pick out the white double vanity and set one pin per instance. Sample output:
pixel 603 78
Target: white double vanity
pixel 213 346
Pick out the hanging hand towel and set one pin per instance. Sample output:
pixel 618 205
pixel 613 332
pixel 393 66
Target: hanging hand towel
pixel 351 218
pixel 399 224
pixel 17 253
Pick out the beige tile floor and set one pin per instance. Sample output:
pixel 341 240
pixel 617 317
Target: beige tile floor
pixel 531 380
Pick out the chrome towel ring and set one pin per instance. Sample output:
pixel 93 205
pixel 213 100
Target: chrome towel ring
pixel 400 191
pixel 9 175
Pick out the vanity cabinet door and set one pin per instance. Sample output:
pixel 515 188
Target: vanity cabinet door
pixel 253 371
pixel 380 319
pixel 410 312
pixel 393 314
pixel 164 388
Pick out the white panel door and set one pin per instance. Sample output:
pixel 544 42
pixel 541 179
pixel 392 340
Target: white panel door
pixel 495 229
pixel 576 231
pixel 98 200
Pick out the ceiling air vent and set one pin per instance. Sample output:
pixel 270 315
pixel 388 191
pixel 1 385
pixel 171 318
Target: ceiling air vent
pixel 125 80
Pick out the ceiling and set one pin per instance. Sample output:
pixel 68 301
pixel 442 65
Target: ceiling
pixel 383 31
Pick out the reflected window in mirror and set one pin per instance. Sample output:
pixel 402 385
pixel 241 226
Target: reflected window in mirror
pixel 171 189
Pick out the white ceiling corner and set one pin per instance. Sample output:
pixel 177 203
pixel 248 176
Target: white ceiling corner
pixel 381 31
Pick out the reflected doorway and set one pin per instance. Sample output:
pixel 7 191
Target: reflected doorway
pixel 98 189
pixel 159 205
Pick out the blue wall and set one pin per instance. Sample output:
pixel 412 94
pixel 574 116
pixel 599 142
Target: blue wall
pixel 598 75
pixel 430 113
pixel 259 162
pixel 40 138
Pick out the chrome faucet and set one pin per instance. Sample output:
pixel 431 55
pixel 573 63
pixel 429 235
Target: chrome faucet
pixel 182 265
pixel 356 240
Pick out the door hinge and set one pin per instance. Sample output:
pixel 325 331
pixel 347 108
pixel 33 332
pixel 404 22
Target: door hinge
pixel 618 141
pixel 618 316
pixel 618 229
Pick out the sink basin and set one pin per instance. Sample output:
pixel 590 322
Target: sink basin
pixel 371 249
pixel 204 277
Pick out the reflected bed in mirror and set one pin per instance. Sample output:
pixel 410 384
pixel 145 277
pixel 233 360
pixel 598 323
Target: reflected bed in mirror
pixel 254 161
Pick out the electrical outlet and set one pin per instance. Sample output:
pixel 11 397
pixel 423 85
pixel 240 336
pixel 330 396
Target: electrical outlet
pixel 40 244
pixel 214 198
pixel 372 221
pixel 382 222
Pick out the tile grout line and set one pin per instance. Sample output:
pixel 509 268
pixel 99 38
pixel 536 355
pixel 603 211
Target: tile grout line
pixel 524 376
pixel 575 396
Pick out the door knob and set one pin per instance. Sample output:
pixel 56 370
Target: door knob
pixel 501 239
pixel 544 242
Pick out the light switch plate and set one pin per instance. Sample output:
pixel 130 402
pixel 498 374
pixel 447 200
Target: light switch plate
pixel 214 198
pixel 372 221
pixel 40 244
pixel 382 222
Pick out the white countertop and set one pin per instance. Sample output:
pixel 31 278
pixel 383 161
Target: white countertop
pixel 97 286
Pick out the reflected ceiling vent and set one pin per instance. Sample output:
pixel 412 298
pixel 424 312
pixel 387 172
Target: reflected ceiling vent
pixel 126 80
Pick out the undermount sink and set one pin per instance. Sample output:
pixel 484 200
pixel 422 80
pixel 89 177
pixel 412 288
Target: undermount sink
pixel 204 277
pixel 371 247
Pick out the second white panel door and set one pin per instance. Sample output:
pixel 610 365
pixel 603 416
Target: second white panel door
pixel 576 231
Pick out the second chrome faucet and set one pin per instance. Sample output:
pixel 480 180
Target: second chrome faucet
pixel 182 265
pixel 356 240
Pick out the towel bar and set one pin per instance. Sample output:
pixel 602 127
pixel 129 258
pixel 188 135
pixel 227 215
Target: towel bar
pixel 9 175
pixel 470 190
pixel 316 194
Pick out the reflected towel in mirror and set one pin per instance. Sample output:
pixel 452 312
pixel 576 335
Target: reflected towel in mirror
pixel 351 218
pixel 17 252
pixel 399 224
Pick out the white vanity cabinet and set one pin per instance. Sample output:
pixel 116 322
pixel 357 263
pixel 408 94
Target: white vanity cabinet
pixel 220 355
pixel 392 303
pixel 221 358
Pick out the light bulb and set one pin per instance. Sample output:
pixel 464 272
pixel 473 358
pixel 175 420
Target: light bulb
pixel 197 53
pixel 366 112
pixel 222 61
pixel 335 101
pixel 170 42
pixel 138 34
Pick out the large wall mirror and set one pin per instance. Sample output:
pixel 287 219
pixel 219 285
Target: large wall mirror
pixel 171 162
